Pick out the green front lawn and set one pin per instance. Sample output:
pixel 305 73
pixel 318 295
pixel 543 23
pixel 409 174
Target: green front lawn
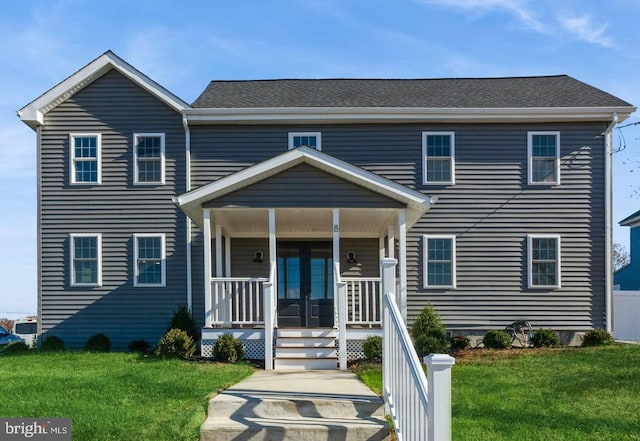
pixel 114 396
pixel 565 394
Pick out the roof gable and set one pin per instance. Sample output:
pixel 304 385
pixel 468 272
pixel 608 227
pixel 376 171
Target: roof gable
pixel 33 113
pixel 632 220
pixel 193 201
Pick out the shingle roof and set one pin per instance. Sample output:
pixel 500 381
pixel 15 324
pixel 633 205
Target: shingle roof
pixel 544 91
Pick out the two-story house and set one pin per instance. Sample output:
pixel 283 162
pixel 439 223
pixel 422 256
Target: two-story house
pixel 628 277
pixel 265 205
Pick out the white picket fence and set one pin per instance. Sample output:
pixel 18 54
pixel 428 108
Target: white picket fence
pixel 420 406
pixel 626 307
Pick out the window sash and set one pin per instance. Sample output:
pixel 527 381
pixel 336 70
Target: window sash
pixel 544 157
pixel 438 149
pixel 85 158
pixel 86 259
pixel 149 158
pixel 544 261
pixel 310 139
pixel 439 261
pixel 149 260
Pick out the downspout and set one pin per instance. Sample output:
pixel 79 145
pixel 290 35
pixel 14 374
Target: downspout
pixel 187 143
pixel 608 278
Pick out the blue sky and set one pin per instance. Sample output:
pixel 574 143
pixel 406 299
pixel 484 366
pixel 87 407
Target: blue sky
pixel 183 45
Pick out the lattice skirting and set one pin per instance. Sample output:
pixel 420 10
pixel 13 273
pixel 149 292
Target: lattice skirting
pixel 254 349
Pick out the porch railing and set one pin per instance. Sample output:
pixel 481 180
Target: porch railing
pixel 364 300
pixel 420 407
pixel 237 301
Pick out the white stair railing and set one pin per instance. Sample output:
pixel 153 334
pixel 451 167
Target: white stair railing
pixel 364 300
pixel 420 408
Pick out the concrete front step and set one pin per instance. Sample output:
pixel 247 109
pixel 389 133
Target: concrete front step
pixel 306 332
pixel 298 429
pixel 296 406
pixel 298 363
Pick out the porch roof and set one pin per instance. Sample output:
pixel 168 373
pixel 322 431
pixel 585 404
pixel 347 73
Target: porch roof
pixel 416 203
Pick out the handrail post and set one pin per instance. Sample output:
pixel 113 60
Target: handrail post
pixel 342 324
pixel 439 408
pixel 388 274
pixel 268 325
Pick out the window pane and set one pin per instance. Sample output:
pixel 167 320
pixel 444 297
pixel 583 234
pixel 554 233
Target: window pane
pixel 149 272
pixel 543 146
pixel 544 249
pixel 439 249
pixel 544 170
pixel 309 141
pixel 149 147
pixel 86 171
pixel 439 274
pixel 85 271
pixel 149 248
pixel 544 274
pixel 439 145
pixel 438 170
pixel 85 147
pixel 149 171
pixel 85 247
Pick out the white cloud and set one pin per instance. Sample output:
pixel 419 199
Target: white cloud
pixel 517 8
pixel 583 28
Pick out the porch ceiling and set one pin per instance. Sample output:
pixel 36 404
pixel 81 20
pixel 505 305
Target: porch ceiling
pixel 303 222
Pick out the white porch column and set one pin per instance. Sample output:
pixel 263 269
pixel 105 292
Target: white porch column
pixel 219 255
pixel 339 293
pixel 381 247
pixel 208 311
pixel 270 295
pixel 227 256
pixel 391 242
pixel 401 296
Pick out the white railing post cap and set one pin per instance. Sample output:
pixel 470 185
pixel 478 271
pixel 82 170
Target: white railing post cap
pixel 443 360
pixel 388 261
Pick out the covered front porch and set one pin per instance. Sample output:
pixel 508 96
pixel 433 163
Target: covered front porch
pixel 294 244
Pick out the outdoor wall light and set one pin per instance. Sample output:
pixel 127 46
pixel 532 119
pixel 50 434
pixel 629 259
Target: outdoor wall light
pixel 351 257
pixel 257 258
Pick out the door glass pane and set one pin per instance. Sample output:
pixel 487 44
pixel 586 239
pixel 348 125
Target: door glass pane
pixel 289 274
pixel 321 274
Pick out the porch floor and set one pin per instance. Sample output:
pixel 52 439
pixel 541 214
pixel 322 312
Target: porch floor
pixel 295 405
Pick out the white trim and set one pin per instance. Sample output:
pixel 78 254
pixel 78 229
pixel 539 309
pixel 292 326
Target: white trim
pixel 402 263
pixel 163 260
pixel 135 158
pixel 206 232
pixel 452 136
pixel 72 270
pixel 33 113
pixel 187 144
pixel 425 260
pixel 318 136
pixel 530 136
pixel 404 114
pixel 219 256
pixel 72 157
pixel 530 238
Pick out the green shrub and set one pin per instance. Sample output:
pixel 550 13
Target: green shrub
pixel 428 333
pixel 52 343
pixel 139 346
pixel 459 342
pixel 496 339
pixel 372 348
pixel 175 344
pixel 545 338
pixel 597 337
pixel 98 343
pixel 183 319
pixel 15 348
pixel 228 349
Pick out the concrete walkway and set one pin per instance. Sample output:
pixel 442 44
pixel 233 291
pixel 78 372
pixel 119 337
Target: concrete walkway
pixel 296 405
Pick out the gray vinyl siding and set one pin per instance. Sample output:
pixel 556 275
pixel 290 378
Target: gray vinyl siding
pixel 490 210
pixel 116 108
pixel 304 186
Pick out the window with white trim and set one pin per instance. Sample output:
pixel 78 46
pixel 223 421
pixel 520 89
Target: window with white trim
pixel 544 261
pixel 308 139
pixel 438 151
pixel 543 151
pixel 86 259
pixel 85 158
pixel 439 261
pixel 148 153
pixel 149 260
